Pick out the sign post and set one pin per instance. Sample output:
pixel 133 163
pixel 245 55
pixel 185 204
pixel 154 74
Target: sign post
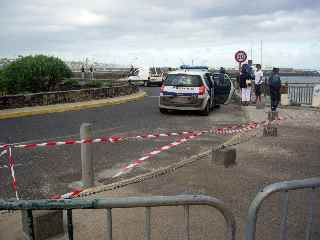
pixel 240 57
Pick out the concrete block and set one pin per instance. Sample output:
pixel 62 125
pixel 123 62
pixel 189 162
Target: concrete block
pixel 226 157
pixel 285 100
pixel 316 96
pixel 46 224
pixel 272 115
pixel 316 101
pixel 270 130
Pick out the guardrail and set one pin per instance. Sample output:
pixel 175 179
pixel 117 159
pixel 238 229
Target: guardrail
pixel 129 202
pixel 300 93
pixel 284 188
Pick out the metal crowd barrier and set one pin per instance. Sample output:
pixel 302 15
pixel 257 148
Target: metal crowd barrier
pixel 284 188
pixel 300 93
pixel 129 202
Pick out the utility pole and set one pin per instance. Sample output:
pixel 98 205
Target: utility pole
pixel 261 52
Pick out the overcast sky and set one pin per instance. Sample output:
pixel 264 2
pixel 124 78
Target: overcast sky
pixel 164 32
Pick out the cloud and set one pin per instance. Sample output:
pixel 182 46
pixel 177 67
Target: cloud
pixel 163 32
pixel 83 17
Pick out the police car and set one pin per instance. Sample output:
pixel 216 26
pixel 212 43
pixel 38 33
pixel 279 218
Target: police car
pixel 194 88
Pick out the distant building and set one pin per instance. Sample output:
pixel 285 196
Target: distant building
pixel 75 66
pixel 5 61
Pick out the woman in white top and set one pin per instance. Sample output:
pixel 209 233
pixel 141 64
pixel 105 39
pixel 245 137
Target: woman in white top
pixel 258 80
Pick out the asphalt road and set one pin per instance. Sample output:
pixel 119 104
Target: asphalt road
pixel 43 172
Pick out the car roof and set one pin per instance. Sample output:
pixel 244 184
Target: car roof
pixel 189 72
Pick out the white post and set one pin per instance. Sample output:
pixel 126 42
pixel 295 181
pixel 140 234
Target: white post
pixel 87 156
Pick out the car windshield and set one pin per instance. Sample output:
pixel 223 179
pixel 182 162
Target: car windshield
pixel 183 80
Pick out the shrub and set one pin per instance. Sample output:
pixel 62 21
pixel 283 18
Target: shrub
pixel 3 88
pixel 34 74
pixel 70 84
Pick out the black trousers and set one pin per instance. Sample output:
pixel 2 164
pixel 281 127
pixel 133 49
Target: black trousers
pixel 275 97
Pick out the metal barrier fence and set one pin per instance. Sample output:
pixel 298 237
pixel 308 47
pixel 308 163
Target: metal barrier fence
pixel 300 93
pixel 128 202
pixel 284 188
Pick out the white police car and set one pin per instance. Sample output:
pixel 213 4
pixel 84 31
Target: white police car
pixel 194 89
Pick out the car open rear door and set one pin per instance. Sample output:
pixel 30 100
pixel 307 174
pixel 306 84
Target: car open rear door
pixel 223 89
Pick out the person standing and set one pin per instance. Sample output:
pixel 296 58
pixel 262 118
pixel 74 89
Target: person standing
pixel 131 71
pixel 275 85
pixel 222 72
pixel 82 72
pixel 258 80
pixel 245 83
pixel 251 77
pixel 91 72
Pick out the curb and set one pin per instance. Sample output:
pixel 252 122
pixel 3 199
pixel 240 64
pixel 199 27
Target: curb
pixel 41 110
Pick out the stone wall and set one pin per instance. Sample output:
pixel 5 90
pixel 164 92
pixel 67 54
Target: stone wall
pixel 48 98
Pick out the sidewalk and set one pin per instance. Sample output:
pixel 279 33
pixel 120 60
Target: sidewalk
pixel 260 162
pixel 39 110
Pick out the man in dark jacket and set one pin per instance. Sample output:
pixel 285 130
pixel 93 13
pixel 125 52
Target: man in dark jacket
pixel 245 83
pixel 275 85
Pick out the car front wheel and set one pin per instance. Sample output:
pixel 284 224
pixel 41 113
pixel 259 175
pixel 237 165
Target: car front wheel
pixel 163 110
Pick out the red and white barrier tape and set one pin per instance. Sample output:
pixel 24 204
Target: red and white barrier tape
pixel 190 135
pixel 11 166
pixel 139 161
pixel 68 142
pixel 3 153
pixel 186 139
pixel 158 135
pixel 235 129
pixel 135 163
pixel 73 194
pixel 114 139
pixel 174 144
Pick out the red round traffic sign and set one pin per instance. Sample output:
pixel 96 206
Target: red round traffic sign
pixel 240 56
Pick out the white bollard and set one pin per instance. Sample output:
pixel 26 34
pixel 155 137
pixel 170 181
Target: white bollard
pixel 87 156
